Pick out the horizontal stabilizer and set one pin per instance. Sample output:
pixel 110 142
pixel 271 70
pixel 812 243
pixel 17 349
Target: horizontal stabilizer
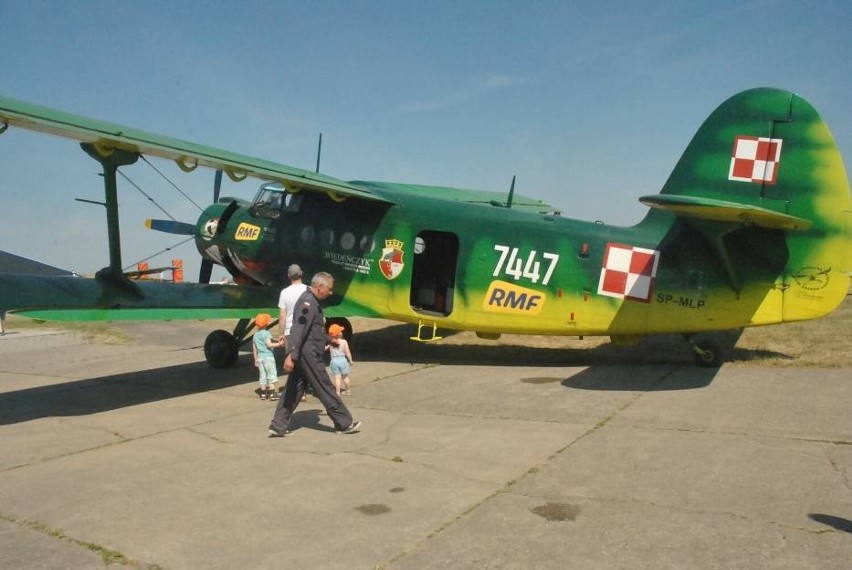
pixel 171 227
pixel 724 211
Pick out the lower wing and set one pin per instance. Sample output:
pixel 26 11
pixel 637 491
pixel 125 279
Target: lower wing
pixel 104 298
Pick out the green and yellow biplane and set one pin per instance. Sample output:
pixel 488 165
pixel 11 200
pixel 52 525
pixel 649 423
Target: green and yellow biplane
pixel 753 227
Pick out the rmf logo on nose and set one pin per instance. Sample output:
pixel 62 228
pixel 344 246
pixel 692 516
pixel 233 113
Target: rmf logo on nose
pixel 247 232
pixel 505 297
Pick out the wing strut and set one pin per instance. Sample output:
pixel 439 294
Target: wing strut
pixel 111 159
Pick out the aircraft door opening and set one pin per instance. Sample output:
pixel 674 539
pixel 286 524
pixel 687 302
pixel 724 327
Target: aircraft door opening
pixel 433 278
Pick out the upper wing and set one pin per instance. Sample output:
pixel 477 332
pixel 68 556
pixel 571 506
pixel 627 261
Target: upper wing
pixel 398 191
pixel 109 136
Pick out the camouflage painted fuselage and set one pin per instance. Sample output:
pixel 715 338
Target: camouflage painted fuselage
pixel 755 239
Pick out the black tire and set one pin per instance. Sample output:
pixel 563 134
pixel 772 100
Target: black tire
pixel 342 321
pixel 220 349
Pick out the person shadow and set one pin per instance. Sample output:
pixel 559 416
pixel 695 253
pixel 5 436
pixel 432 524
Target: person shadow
pixel 309 419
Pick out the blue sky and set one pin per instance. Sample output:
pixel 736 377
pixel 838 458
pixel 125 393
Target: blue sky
pixel 589 104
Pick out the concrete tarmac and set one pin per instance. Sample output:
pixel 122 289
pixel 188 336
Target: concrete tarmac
pixel 142 456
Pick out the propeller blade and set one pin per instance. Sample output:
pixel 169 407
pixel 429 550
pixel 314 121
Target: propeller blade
pixel 207 265
pixel 206 271
pixel 171 227
pixel 217 186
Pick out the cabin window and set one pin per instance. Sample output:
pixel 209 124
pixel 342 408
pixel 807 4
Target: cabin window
pixel 272 199
pixel 308 234
pixel 326 237
pixel 367 244
pixel 347 241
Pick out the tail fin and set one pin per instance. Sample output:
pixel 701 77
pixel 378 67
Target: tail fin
pixel 765 159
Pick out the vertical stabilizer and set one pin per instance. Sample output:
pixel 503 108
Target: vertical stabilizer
pixel 764 170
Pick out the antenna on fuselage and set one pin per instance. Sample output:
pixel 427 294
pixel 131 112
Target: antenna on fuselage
pixel 508 203
pixel 319 151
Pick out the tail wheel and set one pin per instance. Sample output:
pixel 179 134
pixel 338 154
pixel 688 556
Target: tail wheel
pixel 220 349
pixel 708 353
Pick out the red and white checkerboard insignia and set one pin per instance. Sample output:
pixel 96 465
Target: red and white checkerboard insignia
pixel 755 159
pixel 628 272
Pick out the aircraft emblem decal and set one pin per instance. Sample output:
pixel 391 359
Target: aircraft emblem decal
pixel 755 159
pixel 392 260
pixel 628 272
pixel 812 278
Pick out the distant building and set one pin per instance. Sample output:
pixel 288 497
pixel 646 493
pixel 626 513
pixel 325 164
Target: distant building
pixel 11 263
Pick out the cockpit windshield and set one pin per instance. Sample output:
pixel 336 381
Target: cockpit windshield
pixel 272 199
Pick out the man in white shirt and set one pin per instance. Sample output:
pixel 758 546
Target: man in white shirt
pixel 287 301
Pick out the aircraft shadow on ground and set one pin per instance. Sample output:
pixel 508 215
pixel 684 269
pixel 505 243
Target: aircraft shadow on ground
pixel 837 523
pixel 628 378
pixel 94 395
pixel 392 344
pixel 608 368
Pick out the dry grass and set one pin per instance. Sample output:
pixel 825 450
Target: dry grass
pixel 96 331
pixel 823 342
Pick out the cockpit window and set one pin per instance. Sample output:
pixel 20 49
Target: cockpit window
pixel 272 199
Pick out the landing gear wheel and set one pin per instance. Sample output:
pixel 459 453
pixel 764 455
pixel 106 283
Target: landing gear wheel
pixel 342 321
pixel 220 349
pixel 708 353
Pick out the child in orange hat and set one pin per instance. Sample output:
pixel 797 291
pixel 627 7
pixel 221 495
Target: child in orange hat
pixel 341 359
pixel 264 359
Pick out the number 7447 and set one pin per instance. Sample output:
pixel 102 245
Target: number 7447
pixel 515 266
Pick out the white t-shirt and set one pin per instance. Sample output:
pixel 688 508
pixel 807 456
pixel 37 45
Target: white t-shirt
pixel 287 301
